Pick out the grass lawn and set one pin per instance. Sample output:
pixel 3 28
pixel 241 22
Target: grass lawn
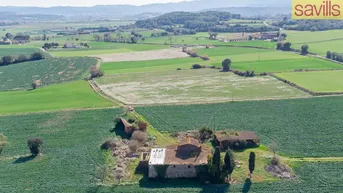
pixel 313 126
pixel 9 50
pixel 192 86
pixel 286 65
pixel 77 94
pixel 71 159
pixel 323 81
pixel 48 71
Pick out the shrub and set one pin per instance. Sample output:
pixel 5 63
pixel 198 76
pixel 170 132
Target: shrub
pixel 304 49
pixel 140 136
pixel 328 55
pixel 192 54
pixel 109 144
pixel 34 145
pixel 95 72
pixel 205 133
pixel 178 69
pixel 196 66
pixel 205 58
pixel 275 161
pixel 133 145
pixel 37 56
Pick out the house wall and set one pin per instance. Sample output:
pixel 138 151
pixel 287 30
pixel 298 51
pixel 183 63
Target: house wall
pixel 176 171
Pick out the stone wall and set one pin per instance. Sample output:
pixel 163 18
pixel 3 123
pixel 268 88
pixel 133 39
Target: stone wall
pixel 176 171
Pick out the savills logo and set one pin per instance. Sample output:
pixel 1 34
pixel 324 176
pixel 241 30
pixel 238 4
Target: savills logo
pixel 317 9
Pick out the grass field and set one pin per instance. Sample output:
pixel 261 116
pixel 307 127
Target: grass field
pixel 16 51
pixel 259 60
pixel 77 94
pixel 98 48
pixel 192 86
pixel 319 42
pixel 49 71
pixel 71 159
pixel 300 127
pixel 322 81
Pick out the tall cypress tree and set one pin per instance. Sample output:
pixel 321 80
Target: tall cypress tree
pixel 252 157
pixel 229 164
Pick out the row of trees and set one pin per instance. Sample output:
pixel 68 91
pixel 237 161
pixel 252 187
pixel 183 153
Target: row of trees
pixel 108 37
pixel 32 143
pixel 221 171
pixel 334 56
pixel 7 60
pixel 48 46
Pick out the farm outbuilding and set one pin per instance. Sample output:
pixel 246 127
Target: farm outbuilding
pixel 241 139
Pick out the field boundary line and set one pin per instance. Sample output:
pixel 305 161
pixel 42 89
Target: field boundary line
pixel 304 89
pixel 101 93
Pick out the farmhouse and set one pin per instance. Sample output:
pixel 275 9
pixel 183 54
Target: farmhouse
pixel 240 139
pixel 184 160
pixel 269 35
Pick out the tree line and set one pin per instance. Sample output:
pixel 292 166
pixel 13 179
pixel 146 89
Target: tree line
pixel 334 56
pixel 308 25
pixel 7 60
pixel 190 23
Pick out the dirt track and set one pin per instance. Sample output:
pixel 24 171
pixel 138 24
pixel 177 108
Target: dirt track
pixel 144 55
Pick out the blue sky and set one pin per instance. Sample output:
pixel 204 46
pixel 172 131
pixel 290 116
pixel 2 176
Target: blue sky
pixel 49 3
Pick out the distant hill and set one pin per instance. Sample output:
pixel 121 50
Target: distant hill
pixel 254 11
pixel 130 10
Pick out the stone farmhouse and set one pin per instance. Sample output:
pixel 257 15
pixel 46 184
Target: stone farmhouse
pixel 184 160
pixel 269 35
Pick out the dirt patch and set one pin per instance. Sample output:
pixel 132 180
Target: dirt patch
pixel 144 55
pixel 280 171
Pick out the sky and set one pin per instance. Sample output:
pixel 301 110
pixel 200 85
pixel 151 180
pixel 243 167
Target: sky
pixel 49 3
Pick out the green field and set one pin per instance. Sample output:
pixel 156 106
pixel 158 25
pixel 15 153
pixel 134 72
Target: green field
pixel 259 60
pixel 49 71
pixel 193 86
pixel 98 48
pixel 77 94
pixel 325 81
pixel 71 159
pixel 319 42
pixel 300 127
pixel 16 51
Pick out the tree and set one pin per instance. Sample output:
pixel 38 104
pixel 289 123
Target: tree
pixel 273 147
pixel 214 166
pixel 304 49
pixel 287 46
pixel 279 46
pixel 34 145
pixel 35 84
pixel 95 72
pixel 328 55
pixel 229 164
pixel 134 39
pixel 37 56
pixel 226 65
pixel 44 37
pixel 140 136
pixel 252 157
pixel 3 142
pixel 9 36
pixel 6 60
pixel 22 58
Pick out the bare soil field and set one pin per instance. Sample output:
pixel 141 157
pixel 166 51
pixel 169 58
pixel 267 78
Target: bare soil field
pixel 193 86
pixel 143 55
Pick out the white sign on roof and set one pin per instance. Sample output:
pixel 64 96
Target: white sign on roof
pixel 157 156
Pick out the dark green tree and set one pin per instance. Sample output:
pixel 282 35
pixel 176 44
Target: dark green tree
pixel 229 164
pixel 328 55
pixel 37 56
pixel 226 64
pixel 214 167
pixel 6 60
pixel 304 49
pixel 252 157
pixel 34 145
pixel 287 46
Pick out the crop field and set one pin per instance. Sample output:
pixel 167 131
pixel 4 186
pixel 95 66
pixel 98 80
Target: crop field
pixel 49 71
pixel 322 81
pixel 193 86
pixel 71 159
pixel 97 48
pixel 16 51
pixel 76 94
pixel 300 127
